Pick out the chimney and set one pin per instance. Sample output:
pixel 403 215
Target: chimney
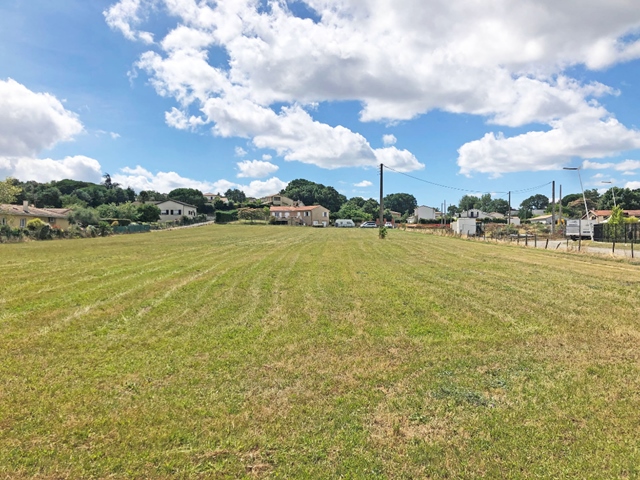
pixel 25 205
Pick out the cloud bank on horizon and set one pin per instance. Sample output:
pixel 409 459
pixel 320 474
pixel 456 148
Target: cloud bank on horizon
pixel 257 70
pixel 506 61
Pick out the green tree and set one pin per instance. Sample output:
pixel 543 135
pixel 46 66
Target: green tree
pixel 486 203
pixel 500 205
pixel 467 202
pixel 350 210
pixel 8 191
pixel 108 210
pixel 128 210
pixel 191 196
pixel 400 202
pixel 617 216
pixel 371 207
pixel 157 196
pixel 108 183
pixel 49 197
pixel 70 200
pixel 84 216
pixel 148 212
pixel 357 201
pixel 68 187
pixel 311 193
pixel 143 196
pixel 625 197
pixel 235 195
pixel 251 214
pixel 535 202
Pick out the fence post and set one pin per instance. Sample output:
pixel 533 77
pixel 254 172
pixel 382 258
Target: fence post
pixel 546 244
pixel 526 239
pixel 535 240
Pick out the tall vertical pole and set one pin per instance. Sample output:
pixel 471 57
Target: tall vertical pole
pixel 586 208
pixel 381 195
pixel 509 221
pixel 553 207
pixel 445 213
pixel 560 204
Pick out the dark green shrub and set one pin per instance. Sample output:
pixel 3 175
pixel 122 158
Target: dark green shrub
pixel 104 229
pixel 44 233
pixel 226 216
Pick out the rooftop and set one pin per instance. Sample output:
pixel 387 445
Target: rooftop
pixel 32 211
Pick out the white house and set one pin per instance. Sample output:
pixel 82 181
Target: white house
pixel 474 213
pixel 544 219
pixel 175 209
pixel 212 197
pixel 464 226
pixel 426 213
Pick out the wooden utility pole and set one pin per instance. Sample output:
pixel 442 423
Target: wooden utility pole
pixel 381 195
pixel 509 221
pixel 553 207
pixel 560 204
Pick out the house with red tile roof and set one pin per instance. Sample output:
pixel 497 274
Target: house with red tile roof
pixel 311 216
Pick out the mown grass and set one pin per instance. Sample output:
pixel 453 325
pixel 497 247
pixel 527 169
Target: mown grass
pixel 257 351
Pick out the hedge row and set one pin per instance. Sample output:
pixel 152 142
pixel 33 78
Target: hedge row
pixel 226 216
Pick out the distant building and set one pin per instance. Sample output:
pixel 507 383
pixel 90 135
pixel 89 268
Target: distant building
pixel 212 197
pixel 425 213
pixel 474 213
pixel 171 210
pixel 278 200
pixel 312 216
pixel 19 215
pixel 543 219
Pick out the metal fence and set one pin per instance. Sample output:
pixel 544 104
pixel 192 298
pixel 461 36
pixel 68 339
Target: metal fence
pixel 626 233
pixel 132 229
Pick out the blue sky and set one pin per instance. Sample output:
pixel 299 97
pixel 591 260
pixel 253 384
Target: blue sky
pixel 250 94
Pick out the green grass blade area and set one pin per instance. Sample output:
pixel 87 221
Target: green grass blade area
pixel 275 352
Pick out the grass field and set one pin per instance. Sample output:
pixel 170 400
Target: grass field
pixel 258 351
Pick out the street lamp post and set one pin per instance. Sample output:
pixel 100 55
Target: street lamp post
pixel 613 191
pixel 586 209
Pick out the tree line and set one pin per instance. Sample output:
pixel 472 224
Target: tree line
pixel 110 200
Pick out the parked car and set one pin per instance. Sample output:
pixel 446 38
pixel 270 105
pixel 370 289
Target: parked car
pixel 345 223
pixel 389 225
pixel 368 225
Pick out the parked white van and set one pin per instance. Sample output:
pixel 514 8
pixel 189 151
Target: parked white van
pixel 345 223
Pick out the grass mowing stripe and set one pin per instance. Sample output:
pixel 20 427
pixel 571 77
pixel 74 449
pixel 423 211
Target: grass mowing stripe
pixel 285 352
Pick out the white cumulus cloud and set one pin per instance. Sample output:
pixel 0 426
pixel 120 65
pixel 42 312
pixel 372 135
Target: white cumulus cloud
pixel 256 169
pixel 503 60
pixel 31 122
pixel 46 169
pixel 364 183
pixel 139 178
pixel 624 166
pixel 389 140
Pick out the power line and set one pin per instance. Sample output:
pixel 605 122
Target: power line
pixel 538 187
